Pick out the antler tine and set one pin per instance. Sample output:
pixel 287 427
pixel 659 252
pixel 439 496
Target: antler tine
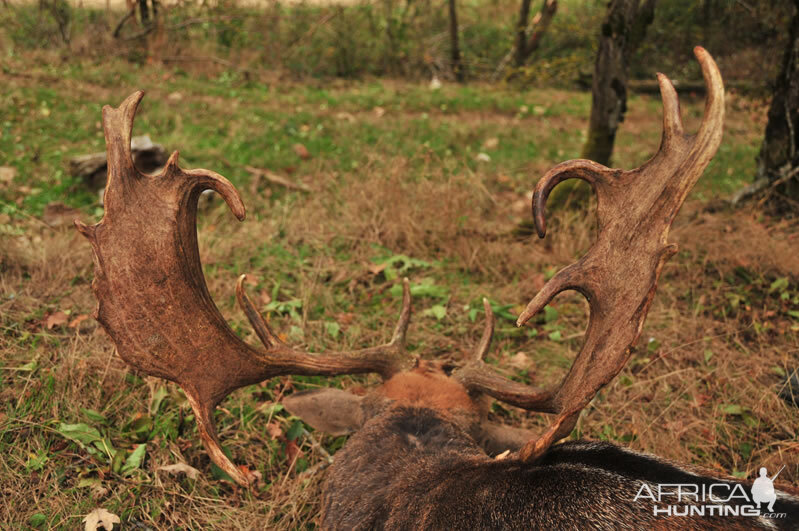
pixel 672 121
pixel 488 333
pixel 587 170
pixel 401 330
pixel 146 246
pixel 570 277
pixel 479 378
pixel 619 273
pixel 386 360
pixel 258 323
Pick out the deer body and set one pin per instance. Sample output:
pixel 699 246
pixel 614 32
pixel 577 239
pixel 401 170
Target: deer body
pixel 418 461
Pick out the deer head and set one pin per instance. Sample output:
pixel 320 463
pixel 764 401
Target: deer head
pixel 153 301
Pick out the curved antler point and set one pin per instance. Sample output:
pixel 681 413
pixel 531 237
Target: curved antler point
pixel 488 332
pixel 240 283
pixel 87 231
pixel 172 163
pixel 672 121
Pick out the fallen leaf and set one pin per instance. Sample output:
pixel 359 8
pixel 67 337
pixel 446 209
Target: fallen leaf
pixel 519 361
pixel 100 517
pixel 491 143
pixel 78 320
pixel 181 468
pixel 376 269
pixel 7 174
pixel 292 451
pixel 345 318
pixel 274 430
pixel 302 151
pixel 58 318
pixel 379 111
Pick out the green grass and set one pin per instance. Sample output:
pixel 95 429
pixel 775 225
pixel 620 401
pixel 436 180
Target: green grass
pixel 395 180
pixel 227 123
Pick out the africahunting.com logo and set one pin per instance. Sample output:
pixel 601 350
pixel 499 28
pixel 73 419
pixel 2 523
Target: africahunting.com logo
pixel 713 499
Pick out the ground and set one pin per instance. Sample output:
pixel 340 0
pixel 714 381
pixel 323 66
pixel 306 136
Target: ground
pixel 404 180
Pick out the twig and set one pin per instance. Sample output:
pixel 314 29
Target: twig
pixel 322 21
pixel 122 23
pixel 277 179
pixel 320 465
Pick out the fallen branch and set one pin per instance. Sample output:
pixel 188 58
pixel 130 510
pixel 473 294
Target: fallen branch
pixel 764 183
pixel 277 179
pixel 118 29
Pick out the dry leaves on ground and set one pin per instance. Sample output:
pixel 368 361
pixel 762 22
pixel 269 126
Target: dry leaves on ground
pixel 100 518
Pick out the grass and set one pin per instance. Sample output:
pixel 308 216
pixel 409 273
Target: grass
pixel 396 180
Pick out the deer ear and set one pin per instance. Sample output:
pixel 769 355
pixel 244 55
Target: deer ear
pixel 332 411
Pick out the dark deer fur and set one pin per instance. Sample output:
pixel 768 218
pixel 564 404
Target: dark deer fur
pixel 416 464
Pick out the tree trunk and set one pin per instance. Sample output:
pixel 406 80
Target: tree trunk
pixel 455 51
pixel 144 12
pixel 521 33
pixel 778 161
pixel 622 32
pixel 526 46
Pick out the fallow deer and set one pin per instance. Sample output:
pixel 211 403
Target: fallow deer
pixel 421 455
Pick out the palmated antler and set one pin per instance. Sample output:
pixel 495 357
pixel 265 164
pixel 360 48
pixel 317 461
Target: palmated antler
pixel 619 273
pixel 154 303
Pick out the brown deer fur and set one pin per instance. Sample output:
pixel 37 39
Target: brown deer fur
pixel 414 465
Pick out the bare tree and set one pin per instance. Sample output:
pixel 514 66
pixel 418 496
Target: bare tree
pixel 455 51
pixel 623 30
pixel 528 37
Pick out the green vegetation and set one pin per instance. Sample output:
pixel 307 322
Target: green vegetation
pixel 399 38
pixel 227 122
